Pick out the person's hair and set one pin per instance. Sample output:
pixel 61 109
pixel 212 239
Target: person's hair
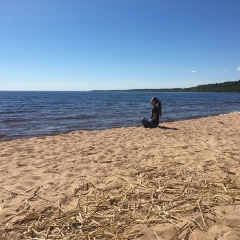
pixel 159 105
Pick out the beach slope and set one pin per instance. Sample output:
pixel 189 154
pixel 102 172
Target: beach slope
pixel 179 180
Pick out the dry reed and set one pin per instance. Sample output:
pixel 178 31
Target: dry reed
pixel 152 195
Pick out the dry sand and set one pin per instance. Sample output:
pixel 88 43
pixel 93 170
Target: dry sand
pixel 180 180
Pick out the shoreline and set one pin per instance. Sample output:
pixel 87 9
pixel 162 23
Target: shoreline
pixel 124 182
pixel 70 131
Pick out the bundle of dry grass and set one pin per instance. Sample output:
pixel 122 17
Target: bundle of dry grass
pixel 186 198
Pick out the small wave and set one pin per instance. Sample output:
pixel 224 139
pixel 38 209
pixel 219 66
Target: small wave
pixel 17 112
pixel 82 117
pixel 2 136
pixel 15 120
pixel 232 102
pixel 170 120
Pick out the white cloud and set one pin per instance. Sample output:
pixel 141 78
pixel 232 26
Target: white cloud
pixel 238 69
pixel 193 71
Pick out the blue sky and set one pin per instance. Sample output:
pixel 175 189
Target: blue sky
pixel 118 44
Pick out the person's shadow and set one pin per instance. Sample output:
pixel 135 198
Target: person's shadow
pixel 167 128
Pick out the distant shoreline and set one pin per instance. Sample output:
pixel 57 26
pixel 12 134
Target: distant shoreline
pixel 232 86
pixel 213 87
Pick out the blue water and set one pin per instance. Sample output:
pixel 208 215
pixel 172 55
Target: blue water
pixel 27 114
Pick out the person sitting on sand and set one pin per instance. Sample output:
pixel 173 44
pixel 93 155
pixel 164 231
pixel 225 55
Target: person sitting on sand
pixel 156 113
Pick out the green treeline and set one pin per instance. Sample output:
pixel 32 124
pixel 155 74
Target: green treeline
pixel 216 87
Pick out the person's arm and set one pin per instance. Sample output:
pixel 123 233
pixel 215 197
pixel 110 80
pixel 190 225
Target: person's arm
pixel 154 117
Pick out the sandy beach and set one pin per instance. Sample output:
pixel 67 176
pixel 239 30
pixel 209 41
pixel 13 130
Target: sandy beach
pixel 179 181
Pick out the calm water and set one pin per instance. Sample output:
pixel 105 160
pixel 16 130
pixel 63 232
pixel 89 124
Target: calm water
pixel 26 114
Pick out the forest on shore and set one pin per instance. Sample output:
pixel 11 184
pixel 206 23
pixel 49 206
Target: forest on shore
pixel 233 86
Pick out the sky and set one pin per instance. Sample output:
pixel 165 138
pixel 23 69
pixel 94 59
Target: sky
pixel 76 45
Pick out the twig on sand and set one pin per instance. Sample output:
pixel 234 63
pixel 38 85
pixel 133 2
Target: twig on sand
pixel 201 214
pixel 186 225
pixel 156 235
pixel 224 235
pixel 14 193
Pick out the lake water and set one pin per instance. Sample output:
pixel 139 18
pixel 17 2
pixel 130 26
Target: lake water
pixel 27 114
